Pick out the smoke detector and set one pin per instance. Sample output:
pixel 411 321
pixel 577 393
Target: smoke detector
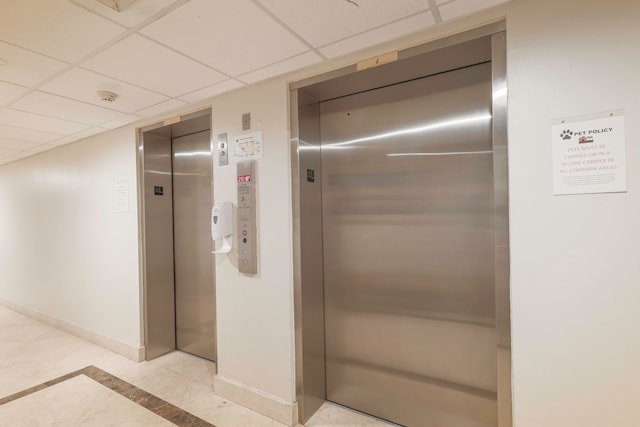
pixel 107 96
pixel 117 5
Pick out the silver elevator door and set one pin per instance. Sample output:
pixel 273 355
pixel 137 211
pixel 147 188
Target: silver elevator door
pixel 194 269
pixel 408 242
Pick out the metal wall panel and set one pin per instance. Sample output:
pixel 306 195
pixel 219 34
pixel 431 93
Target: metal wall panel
pixel 408 235
pixel 158 233
pixel 194 268
pixel 308 253
pixel 501 210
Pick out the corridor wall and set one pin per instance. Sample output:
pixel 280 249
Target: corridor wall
pixel 575 285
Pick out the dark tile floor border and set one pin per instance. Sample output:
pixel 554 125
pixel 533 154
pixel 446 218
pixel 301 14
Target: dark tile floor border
pixel 147 400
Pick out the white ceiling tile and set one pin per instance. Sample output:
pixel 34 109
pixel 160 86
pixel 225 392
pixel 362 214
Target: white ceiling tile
pixel 147 64
pixel 379 35
pixel 86 133
pixel 139 11
pixel 21 155
pixel 234 37
pixel 20 134
pixel 14 145
pixel 65 140
pixel 212 90
pixel 327 21
pixel 77 136
pixel 463 7
pixel 283 67
pixel 55 28
pixel 10 92
pixel 26 68
pixel 6 152
pixel 41 148
pixel 121 122
pixel 4 160
pixel 161 108
pixel 65 109
pixel 32 121
pixel 82 85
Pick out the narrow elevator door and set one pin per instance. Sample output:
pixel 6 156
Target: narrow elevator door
pixel 408 247
pixel 194 269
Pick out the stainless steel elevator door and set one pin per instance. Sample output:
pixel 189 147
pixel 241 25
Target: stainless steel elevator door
pixel 408 246
pixel 194 269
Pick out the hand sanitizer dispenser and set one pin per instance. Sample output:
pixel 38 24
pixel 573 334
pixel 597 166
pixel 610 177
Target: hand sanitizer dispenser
pixel 222 226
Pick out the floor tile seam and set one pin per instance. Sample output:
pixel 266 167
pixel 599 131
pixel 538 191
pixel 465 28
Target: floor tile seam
pixel 184 392
pixel 140 397
pixel 79 418
pixel 175 371
pixel 189 378
pixel 153 403
pixel 41 386
pixel 201 382
pixel 208 383
pixel 21 394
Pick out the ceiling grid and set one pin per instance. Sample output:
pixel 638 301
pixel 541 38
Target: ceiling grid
pixel 161 55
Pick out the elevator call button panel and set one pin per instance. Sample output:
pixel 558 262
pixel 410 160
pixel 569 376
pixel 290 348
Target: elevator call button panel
pixel 223 150
pixel 247 250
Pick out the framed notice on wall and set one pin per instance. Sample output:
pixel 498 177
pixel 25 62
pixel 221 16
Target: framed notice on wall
pixel 589 154
pixel 121 189
pixel 246 146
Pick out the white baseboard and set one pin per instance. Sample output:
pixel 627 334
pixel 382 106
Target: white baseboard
pixel 134 353
pixel 265 404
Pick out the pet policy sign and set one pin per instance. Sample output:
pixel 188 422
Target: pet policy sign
pixel 589 154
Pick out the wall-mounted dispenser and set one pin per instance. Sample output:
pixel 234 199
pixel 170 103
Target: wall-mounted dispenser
pixel 222 226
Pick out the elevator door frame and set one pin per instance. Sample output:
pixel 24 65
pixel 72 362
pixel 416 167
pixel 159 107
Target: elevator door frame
pixel 164 340
pixel 479 45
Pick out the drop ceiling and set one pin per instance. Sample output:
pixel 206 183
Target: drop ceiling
pixel 160 55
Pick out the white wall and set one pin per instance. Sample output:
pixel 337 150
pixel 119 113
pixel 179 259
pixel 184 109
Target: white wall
pixel 574 259
pixel 574 277
pixel 64 251
pixel 255 333
pixel 575 282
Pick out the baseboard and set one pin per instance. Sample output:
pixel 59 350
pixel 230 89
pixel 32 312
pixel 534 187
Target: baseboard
pixel 134 353
pixel 256 400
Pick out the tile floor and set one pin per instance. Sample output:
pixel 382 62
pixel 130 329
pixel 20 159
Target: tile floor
pixel 31 354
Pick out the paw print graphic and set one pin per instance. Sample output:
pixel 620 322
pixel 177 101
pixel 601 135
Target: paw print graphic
pixel 566 134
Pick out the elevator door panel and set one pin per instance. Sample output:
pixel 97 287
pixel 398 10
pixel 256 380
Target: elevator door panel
pixel 160 292
pixel 194 269
pixel 407 197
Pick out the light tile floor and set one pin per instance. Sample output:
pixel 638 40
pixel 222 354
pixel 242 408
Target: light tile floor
pixel 32 353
